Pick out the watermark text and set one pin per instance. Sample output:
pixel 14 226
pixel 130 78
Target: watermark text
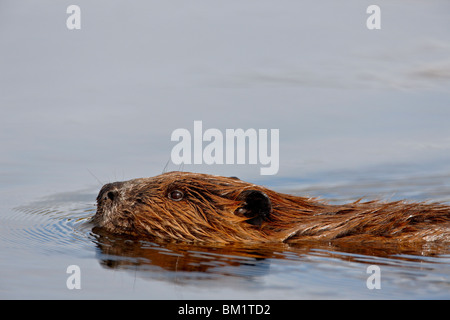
pixel 228 148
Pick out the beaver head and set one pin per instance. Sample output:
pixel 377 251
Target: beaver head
pixel 186 206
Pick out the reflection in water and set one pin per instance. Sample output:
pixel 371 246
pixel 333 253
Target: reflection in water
pixel 126 253
pixel 250 261
pixel 60 225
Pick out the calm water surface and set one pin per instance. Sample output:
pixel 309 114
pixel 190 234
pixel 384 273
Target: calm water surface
pixel 361 114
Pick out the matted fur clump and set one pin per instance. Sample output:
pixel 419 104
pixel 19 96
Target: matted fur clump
pixel 193 207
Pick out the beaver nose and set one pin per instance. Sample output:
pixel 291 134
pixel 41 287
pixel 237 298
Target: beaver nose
pixel 111 195
pixel 109 191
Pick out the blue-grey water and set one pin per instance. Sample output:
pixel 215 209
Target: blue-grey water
pixel 361 113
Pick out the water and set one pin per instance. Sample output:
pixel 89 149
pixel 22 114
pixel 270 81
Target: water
pixel 44 237
pixel 360 113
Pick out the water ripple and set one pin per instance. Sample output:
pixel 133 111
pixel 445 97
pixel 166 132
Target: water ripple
pixel 54 224
pixel 59 224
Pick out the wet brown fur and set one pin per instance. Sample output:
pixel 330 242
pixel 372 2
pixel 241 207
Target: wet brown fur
pixel 212 210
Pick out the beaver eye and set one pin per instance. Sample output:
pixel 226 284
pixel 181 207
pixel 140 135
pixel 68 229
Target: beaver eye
pixel 176 195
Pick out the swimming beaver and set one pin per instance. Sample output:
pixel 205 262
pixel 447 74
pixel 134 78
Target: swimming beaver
pixel 183 206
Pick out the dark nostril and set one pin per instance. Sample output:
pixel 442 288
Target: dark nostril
pixel 111 195
pixel 110 191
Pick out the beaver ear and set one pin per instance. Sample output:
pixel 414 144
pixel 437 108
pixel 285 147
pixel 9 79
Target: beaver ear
pixel 257 206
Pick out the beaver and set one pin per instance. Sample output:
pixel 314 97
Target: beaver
pixel 195 207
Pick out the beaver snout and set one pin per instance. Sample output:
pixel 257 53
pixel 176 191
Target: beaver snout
pixel 110 192
pixel 113 211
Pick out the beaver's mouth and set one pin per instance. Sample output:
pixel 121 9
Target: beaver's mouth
pixel 114 220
